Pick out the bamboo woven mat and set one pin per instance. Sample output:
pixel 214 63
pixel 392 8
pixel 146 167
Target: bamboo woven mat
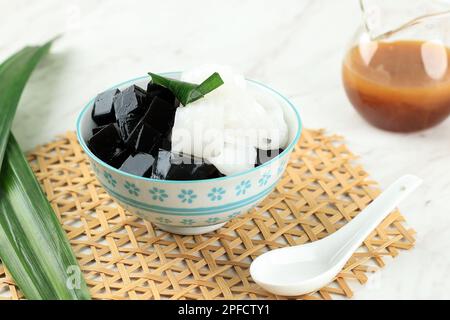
pixel 124 257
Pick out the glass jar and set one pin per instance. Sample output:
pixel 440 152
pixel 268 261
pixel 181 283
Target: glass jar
pixel 397 74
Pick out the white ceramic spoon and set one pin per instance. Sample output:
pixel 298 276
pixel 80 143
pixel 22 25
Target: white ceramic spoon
pixel 306 268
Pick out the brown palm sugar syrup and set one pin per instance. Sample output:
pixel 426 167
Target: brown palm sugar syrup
pixel 401 86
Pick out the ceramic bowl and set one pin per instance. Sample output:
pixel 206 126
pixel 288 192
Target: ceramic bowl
pixel 197 206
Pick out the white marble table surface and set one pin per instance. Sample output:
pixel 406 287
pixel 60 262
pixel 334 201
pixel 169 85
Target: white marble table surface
pixel 295 46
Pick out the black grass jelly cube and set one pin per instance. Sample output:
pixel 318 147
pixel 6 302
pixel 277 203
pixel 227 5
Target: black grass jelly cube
pixel 97 129
pixel 107 145
pixel 144 138
pixel 160 115
pixel 130 106
pixel 171 166
pixel 103 109
pixel 263 156
pixel 139 164
pixel 154 90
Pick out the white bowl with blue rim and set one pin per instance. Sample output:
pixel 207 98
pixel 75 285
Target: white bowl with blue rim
pixel 195 206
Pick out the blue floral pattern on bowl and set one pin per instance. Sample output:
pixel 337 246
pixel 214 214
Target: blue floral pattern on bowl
pixel 212 220
pixel 158 194
pixel 216 194
pixel 234 215
pixel 242 188
pixel 187 196
pixel 264 179
pixel 187 222
pixel 112 182
pixel 163 220
pixel 132 189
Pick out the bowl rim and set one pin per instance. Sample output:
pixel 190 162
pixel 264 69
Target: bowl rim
pixel 288 149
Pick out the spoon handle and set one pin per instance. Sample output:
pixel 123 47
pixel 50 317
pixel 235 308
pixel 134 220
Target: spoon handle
pixel 356 231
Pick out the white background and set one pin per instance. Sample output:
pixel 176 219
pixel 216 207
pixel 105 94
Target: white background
pixel 296 46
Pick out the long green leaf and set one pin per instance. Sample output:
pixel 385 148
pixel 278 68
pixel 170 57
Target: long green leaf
pixel 14 74
pixel 187 92
pixel 33 246
pixel 32 243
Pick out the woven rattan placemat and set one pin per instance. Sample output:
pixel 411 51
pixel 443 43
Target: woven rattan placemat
pixel 124 257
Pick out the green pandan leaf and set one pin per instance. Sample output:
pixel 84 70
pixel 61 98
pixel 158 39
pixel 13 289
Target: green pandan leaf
pixel 187 92
pixel 33 245
pixel 14 74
